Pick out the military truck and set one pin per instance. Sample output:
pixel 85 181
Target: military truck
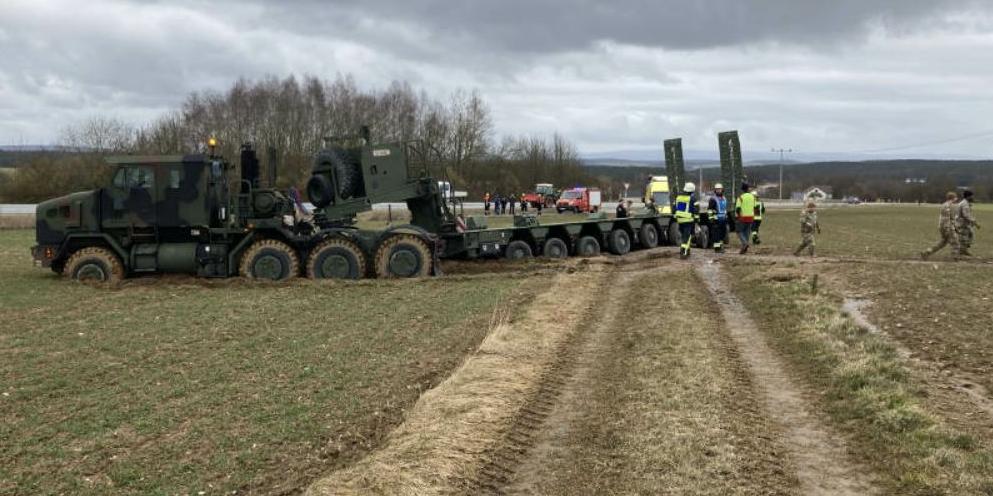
pixel 186 214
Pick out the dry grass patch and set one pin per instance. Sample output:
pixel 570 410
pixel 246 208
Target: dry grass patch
pixel 867 388
pixel 17 221
pixel 440 447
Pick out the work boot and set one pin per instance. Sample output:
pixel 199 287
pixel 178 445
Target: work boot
pixel 744 249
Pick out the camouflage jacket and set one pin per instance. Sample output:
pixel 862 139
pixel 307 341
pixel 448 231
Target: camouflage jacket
pixel 963 214
pixel 808 222
pixel 949 216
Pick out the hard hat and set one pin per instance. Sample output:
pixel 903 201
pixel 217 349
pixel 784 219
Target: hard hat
pixel 718 186
pixel 689 187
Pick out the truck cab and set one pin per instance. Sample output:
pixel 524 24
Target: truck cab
pixel 657 193
pixel 579 200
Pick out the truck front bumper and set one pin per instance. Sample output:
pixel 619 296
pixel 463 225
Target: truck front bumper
pixel 44 254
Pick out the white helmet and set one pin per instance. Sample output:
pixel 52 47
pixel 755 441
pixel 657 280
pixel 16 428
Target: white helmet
pixel 718 186
pixel 689 187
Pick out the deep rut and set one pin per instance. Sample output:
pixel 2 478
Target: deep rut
pixel 822 464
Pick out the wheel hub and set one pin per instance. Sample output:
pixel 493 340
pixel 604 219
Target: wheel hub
pixel 336 266
pixel 268 267
pixel 403 263
pixel 91 272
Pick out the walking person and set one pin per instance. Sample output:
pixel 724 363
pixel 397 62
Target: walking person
pixel 486 203
pixel 744 210
pixel 497 201
pixel 759 212
pixel 947 220
pixel 524 204
pixel 686 212
pixel 808 226
pixel 965 223
pixel 513 203
pixel 717 209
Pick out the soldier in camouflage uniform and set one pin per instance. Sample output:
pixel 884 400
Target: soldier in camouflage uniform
pixel 808 226
pixel 947 221
pixel 965 223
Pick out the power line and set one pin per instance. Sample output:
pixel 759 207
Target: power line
pixel 929 143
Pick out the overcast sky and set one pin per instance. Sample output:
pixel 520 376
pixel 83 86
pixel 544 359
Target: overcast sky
pixel 813 75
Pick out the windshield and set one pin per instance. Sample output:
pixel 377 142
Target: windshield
pixel 660 198
pixel 569 195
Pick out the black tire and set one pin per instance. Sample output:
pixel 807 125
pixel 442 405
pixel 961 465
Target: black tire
pixel 555 248
pixel 703 238
pixel 402 256
pixel 648 236
pixel 336 259
pixel 94 265
pixel 619 242
pixel 319 191
pixel 270 259
pixel 346 168
pixel 673 233
pixel 518 250
pixel 587 246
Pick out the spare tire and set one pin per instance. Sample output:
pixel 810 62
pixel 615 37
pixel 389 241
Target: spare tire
pixel 346 167
pixel 319 191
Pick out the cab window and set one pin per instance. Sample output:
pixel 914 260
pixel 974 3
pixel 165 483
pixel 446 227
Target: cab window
pixel 175 177
pixel 131 177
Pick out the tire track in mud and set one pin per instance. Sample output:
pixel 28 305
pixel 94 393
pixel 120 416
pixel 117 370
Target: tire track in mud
pixel 822 463
pixel 519 445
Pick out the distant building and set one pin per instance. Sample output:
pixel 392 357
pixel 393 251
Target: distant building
pixel 816 193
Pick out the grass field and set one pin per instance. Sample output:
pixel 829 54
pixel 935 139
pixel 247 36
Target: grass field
pixel 869 231
pixel 177 386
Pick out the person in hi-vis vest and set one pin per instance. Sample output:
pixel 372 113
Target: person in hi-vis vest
pixel 718 214
pixel 744 210
pixel 686 213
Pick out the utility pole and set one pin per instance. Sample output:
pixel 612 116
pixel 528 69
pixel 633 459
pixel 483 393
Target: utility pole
pixel 781 151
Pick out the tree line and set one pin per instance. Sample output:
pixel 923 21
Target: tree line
pixel 295 116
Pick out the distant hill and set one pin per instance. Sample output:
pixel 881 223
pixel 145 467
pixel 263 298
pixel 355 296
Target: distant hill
pixel 906 180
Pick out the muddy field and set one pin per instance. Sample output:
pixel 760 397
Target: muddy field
pixel 861 371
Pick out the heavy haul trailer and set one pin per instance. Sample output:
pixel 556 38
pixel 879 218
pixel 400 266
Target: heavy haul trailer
pixel 177 214
pixel 582 238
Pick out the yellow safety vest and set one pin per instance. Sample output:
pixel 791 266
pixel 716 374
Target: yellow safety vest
pixel 683 214
pixel 746 202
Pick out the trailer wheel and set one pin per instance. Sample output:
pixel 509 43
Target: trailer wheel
pixel 674 236
pixel 518 250
pixel 336 259
pixel 703 237
pixel 648 236
pixel 620 242
pixel 95 264
pixel 401 256
pixel 587 246
pixel 270 259
pixel 555 248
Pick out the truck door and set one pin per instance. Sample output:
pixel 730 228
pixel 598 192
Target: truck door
pixel 129 202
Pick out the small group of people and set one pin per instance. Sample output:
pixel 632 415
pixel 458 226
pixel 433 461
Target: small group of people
pixel 745 219
pixel 956 226
pixel 502 203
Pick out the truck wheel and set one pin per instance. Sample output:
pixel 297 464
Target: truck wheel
pixel 94 264
pixel 346 169
pixel 555 248
pixel 403 255
pixel 336 259
pixel 648 236
pixel 703 237
pixel 588 246
pixel 270 259
pixel 620 242
pixel 518 250
pixel 674 236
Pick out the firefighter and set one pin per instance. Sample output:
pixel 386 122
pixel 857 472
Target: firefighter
pixel 744 210
pixel 686 212
pixel 759 211
pixel 717 209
